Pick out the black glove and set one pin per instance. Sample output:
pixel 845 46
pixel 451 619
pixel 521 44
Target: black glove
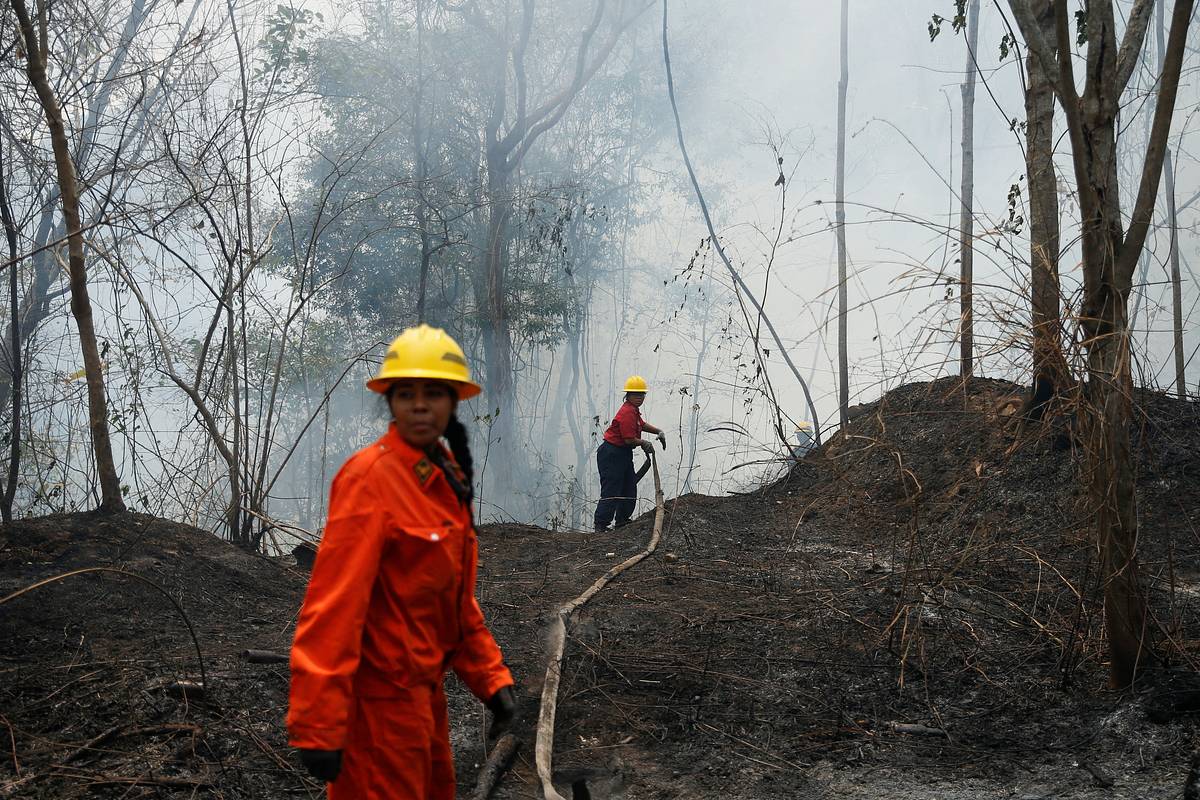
pixel 324 765
pixel 503 705
pixel 662 437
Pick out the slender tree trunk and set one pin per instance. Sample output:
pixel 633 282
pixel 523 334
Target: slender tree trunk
pixel 1173 223
pixel 240 519
pixel 1113 492
pixel 422 164
pixel 1109 408
pixel 694 416
pixel 966 214
pixel 426 260
pixel 840 219
pixel 580 445
pixel 1176 280
pixel 15 349
pixel 497 337
pixel 81 306
pixel 1049 366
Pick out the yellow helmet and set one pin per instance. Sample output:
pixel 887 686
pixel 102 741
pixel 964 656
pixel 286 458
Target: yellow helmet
pixel 636 383
pixel 425 352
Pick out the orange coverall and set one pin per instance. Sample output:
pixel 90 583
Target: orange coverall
pixel 391 604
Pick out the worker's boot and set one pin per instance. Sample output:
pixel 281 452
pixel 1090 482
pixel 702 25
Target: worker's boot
pixel 601 528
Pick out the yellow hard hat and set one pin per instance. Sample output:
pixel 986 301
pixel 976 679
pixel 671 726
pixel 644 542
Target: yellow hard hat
pixel 636 383
pixel 425 352
pixel 803 425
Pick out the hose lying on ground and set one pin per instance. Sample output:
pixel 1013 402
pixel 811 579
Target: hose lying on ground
pixel 544 749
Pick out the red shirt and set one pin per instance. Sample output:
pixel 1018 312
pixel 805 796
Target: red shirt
pixel 627 424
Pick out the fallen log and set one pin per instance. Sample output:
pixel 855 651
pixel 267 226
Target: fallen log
pixel 264 657
pixel 498 763
pixel 913 729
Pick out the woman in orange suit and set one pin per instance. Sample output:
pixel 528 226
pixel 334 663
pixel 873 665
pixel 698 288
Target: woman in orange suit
pixel 391 603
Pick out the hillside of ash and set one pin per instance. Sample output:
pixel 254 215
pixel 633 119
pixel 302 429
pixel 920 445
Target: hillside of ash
pixel 916 604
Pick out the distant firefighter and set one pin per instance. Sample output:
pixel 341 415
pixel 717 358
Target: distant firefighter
pixel 391 604
pixel 614 458
pixel 804 440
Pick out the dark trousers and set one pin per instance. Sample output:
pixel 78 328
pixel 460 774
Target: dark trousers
pixel 618 484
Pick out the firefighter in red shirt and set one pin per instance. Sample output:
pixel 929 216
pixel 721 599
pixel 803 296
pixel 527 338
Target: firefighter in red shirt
pixel 614 458
pixel 391 603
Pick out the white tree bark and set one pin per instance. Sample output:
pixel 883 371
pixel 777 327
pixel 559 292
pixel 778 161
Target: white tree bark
pixel 966 218
pixel 840 221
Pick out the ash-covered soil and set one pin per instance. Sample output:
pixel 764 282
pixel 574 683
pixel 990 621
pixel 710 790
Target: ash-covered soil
pixel 913 613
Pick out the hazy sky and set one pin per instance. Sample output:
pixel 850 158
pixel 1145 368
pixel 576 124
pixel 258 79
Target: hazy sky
pixel 778 61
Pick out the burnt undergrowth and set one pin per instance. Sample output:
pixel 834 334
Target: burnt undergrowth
pixel 921 594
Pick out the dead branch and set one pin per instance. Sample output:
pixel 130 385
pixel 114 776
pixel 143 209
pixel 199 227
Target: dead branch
pixel 264 657
pixel 498 763
pixel 914 729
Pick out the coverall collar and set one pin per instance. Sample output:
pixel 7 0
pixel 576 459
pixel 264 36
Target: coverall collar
pixel 425 468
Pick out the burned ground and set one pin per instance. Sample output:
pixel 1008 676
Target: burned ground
pixel 913 612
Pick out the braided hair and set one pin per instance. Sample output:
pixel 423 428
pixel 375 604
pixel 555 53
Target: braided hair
pixel 456 437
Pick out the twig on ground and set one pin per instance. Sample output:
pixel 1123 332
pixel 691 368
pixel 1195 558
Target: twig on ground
pixel 498 762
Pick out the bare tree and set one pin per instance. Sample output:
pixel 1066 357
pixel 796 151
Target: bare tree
pixel 514 125
pixel 840 221
pixel 98 92
pixel 36 52
pixel 966 218
pixel 1110 255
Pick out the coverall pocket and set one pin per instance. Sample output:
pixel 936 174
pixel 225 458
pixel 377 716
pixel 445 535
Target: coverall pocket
pixel 433 555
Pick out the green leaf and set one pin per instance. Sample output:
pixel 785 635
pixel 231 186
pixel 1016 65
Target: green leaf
pixel 960 15
pixel 935 26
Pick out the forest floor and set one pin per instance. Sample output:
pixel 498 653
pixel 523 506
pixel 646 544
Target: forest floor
pixel 913 612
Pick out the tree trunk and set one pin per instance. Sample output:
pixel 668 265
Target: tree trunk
pixel 694 416
pixel 966 220
pixel 840 219
pixel 1049 366
pixel 1109 407
pixel 1176 280
pixel 1173 224
pixel 497 337
pixel 1113 493
pixel 15 350
pixel 580 444
pixel 422 165
pixel 426 260
pixel 81 306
